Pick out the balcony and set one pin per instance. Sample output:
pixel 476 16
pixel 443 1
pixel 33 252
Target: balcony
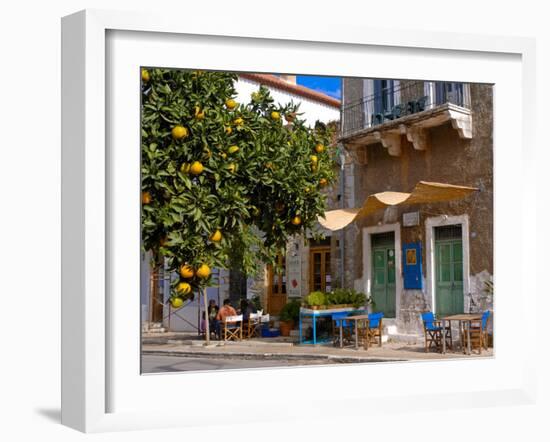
pixel 410 110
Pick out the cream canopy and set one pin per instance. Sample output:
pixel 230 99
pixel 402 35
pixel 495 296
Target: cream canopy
pixel 423 192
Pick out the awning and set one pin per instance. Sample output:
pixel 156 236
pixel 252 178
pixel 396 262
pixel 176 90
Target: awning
pixel 423 192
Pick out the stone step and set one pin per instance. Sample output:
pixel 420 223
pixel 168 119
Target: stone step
pixel 404 338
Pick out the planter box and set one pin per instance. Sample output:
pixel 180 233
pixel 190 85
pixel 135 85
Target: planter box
pixel 324 307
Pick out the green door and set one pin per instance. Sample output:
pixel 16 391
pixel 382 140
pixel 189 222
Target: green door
pixel 448 267
pixel 383 273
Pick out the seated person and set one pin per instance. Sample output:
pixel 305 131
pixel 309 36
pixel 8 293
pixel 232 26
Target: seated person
pixel 225 311
pixel 246 308
pixel 212 313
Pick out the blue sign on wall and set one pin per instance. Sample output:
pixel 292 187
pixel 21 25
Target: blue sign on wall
pixel 412 265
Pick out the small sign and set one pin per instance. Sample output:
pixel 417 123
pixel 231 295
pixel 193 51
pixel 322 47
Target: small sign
pixel 294 270
pixel 411 219
pixel 411 257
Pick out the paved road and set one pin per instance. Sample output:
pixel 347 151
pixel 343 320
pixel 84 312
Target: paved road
pixel 160 364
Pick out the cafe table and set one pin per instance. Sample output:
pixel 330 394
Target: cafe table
pixel 315 315
pixel 356 319
pixel 463 319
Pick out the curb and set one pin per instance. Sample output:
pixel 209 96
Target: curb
pixel 272 356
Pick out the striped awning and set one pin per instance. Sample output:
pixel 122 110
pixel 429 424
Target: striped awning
pixel 423 192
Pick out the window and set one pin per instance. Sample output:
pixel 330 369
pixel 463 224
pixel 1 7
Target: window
pixel 381 98
pixel 319 269
pixel 278 277
pixel 447 92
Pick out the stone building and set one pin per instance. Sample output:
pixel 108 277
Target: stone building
pixel 418 257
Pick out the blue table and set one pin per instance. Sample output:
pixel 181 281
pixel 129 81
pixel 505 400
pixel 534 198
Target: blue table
pixel 314 314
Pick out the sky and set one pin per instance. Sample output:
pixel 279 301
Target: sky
pixel 331 86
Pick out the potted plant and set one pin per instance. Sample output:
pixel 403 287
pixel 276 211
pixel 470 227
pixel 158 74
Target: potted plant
pixel 289 316
pixel 316 300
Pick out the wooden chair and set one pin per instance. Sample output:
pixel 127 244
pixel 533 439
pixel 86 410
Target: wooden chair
pixel 374 330
pixel 433 332
pixel 232 328
pixel 479 335
pixel 251 327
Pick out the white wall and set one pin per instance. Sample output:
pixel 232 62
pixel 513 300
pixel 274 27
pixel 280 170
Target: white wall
pixel 312 110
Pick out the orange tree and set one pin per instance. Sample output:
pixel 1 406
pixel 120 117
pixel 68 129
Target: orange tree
pixel 219 176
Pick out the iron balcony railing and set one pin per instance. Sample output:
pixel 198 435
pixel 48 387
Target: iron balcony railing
pixel 399 100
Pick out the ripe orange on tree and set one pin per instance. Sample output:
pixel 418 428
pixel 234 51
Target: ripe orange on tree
pixel 196 168
pixel 199 114
pixel 186 271
pixel 323 182
pixel 183 288
pixel 230 103
pixel 145 198
pixel 179 132
pixel 216 236
pixel 297 220
pixel 275 115
pixel 203 271
pixel 145 76
pixel 319 148
pixel 176 302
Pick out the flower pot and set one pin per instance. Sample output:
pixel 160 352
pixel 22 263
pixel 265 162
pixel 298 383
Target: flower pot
pixel 285 327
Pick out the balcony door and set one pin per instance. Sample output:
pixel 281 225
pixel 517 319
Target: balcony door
pixel 448 92
pixel 384 96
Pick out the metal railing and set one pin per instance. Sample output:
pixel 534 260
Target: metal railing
pixel 407 98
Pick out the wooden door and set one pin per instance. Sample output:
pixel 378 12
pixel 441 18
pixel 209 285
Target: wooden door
pixel 319 269
pixel 383 273
pixel 276 293
pixel 449 271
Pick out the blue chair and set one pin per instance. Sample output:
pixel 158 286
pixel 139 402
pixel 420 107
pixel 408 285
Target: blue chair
pixel 433 332
pixel 374 332
pixel 338 319
pixel 479 335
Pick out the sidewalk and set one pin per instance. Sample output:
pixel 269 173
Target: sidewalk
pixel 177 344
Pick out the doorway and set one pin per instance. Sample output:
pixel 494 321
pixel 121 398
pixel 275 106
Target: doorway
pixel 383 273
pixel 320 278
pixel 276 293
pixel 449 275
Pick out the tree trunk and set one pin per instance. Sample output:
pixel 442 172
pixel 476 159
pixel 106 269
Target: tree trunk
pixel 237 278
pixel 206 318
pixel 156 295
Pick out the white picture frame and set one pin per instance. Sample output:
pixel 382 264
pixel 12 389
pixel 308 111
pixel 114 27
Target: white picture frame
pixel 92 318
